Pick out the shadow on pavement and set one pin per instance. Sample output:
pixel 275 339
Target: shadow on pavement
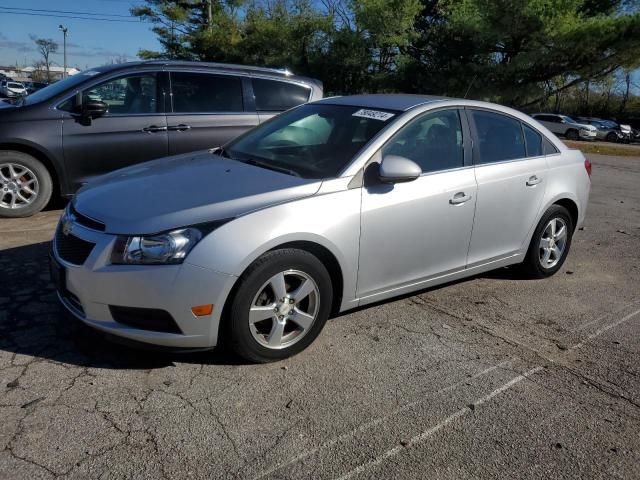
pixel 33 323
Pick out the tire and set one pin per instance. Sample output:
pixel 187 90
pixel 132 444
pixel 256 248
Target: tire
pixel 534 264
pixel 611 137
pixel 572 134
pixel 278 335
pixel 16 169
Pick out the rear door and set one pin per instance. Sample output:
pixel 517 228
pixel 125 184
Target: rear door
pixel 510 169
pixel 275 96
pixel 207 110
pixel 133 130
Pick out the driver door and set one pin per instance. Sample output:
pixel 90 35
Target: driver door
pixel 133 130
pixel 416 231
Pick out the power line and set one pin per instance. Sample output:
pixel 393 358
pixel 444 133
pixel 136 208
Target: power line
pixel 95 19
pixel 65 12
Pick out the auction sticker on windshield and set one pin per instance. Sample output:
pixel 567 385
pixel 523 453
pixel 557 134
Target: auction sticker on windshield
pixel 374 114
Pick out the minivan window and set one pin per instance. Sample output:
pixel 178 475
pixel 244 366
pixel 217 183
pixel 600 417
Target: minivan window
pixel 205 93
pixel 500 137
pixel 433 141
pixel 131 94
pixel 276 96
pixel 534 141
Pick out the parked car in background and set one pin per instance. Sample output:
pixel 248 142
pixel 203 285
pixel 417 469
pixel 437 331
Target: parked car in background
pixel 34 86
pixel 605 130
pixel 567 127
pixel 10 88
pixel 333 205
pixel 117 115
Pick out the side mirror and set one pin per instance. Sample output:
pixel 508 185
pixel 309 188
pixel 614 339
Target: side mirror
pixel 397 169
pixel 94 109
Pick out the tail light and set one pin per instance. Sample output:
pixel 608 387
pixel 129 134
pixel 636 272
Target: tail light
pixel 587 167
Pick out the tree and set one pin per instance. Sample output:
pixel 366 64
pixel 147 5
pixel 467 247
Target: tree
pixel 46 47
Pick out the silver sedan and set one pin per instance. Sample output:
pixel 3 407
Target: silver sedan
pixel 330 206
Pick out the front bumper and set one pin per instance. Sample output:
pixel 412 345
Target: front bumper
pixel 91 288
pixel 588 134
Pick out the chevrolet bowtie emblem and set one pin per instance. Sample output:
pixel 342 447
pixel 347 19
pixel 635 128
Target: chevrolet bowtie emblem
pixel 67 225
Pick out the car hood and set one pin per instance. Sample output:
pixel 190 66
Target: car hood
pixel 184 190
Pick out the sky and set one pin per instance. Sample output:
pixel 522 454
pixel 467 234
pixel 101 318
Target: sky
pixel 89 42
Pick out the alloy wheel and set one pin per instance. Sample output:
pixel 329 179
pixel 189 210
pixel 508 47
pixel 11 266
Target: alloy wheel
pixel 284 309
pixel 553 242
pixel 19 186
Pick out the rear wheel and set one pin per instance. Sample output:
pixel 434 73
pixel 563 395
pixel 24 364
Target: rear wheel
pixel 282 302
pixel 611 137
pixel 572 134
pixel 550 243
pixel 25 185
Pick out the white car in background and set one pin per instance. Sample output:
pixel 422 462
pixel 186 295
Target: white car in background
pixel 566 126
pixel 9 88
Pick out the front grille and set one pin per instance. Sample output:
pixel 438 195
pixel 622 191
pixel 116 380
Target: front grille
pixel 85 221
pixel 145 319
pixel 72 249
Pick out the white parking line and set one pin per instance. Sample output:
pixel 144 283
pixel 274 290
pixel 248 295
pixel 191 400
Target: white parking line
pixel 608 314
pixel 464 411
pixel 375 422
pixel 428 433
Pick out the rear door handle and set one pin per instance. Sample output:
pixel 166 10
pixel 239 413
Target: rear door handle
pixel 179 128
pixel 533 180
pixel 154 128
pixel 459 198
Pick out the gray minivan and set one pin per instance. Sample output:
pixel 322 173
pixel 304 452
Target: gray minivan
pixel 102 119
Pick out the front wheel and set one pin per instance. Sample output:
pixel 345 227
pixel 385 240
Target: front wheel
pixel 550 243
pixel 25 185
pixel 281 305
pixel 611 137
pixel 573 135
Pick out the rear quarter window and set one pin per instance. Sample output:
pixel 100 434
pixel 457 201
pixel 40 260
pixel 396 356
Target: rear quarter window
pixel 277 96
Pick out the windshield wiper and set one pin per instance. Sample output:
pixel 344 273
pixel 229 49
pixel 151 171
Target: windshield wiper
pixel 268 166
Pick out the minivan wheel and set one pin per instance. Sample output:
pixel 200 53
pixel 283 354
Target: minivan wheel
pixel 573 134
pixel 281 305
pixel 550 243
pixel 25 184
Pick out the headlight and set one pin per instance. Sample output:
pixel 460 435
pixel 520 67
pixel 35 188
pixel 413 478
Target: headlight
pixel 168 248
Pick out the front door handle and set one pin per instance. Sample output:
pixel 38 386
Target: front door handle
pixel 459 198
pixel 179 128
pixel 154 129
pixel 533 181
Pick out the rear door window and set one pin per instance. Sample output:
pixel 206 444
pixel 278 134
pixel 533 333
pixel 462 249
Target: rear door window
pixel 206 93
pixel 500 138
pixel 276 96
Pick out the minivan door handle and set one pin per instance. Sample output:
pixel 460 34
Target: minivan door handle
pixel 533 181
pixel 179 128
pixel 459 198
pixel 154 128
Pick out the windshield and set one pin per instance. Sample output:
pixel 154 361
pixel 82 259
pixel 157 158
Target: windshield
pixel 15 85
pixel 311 141
pixel 56 88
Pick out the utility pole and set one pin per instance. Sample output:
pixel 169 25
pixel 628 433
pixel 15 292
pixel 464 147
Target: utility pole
pixel 210 2
pixel 64 49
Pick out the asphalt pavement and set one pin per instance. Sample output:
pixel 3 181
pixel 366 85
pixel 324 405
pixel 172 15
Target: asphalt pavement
pixel 492 377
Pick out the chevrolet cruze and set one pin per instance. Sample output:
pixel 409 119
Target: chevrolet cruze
pixel 332 205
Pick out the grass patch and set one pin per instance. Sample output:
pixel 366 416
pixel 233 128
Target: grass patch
pixel 602 148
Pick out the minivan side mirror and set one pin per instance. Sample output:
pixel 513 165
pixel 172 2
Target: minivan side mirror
pixel 397 169
pixel 94 109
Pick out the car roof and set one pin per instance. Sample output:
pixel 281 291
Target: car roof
pixel 401 102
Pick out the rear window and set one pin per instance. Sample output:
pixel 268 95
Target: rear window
pixel 275 96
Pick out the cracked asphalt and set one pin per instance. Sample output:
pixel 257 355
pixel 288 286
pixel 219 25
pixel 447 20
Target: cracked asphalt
pixel 493 377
